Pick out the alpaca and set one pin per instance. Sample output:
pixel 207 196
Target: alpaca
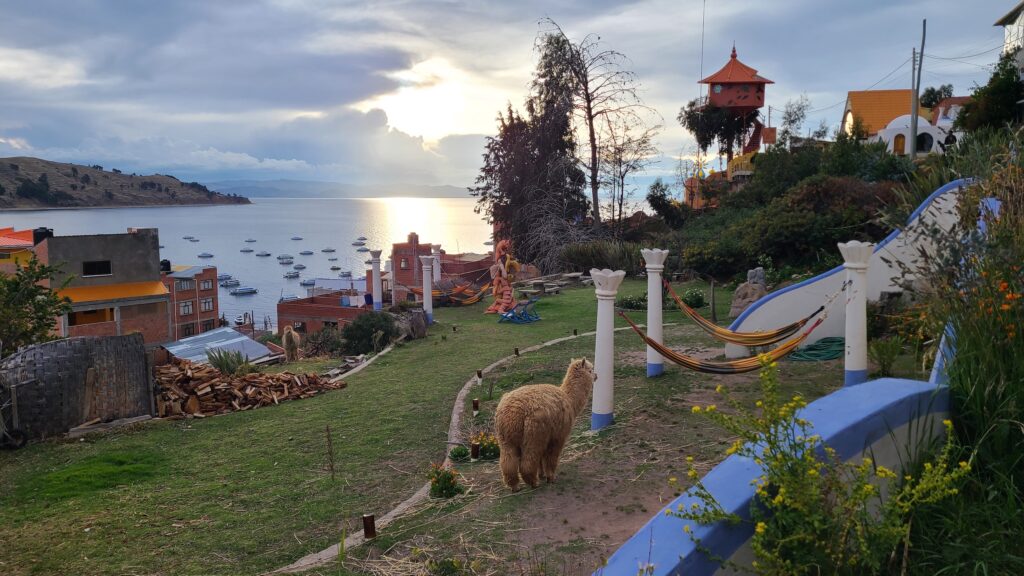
pixel 290 342
pixel 533 423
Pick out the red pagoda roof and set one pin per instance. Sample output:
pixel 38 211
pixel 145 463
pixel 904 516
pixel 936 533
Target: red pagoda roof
pixel 735 72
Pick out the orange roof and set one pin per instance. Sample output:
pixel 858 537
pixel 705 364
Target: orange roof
pixel 81 294
pixel 876 108
pixel 11 238
pixel 736 72
pixel 947 103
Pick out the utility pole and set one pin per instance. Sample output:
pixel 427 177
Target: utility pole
pixel 916 81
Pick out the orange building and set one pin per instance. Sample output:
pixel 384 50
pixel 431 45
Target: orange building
pixel 405 265
pixel 739 89
pixel 324 310
pixel 194 303
pixel 875 109
pixel 15 248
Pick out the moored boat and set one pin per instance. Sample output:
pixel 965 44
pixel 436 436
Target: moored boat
pixel 222 277
pixel 285 257
pixel 244 291
pixel 328 249
pixel 296 237
pixel 246 250
pixel 286 262
pixel 299 266
pixel 263 254
pixel 306 253
pixel 205 255
pixel 250 239
pixel 291 274
pixel 359 243
pixel 335 268
pixel 308 282
pixel 230 283
pixel 361 238
pixel 363 249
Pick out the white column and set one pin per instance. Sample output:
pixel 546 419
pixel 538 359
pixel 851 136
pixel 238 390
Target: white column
pixel 435 249
pixel 390 267
pixel 857 255
pixel 428 287
pixel 606 284
pixel 378 285
pixel 655 260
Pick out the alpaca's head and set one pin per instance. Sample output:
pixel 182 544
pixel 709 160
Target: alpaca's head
pixel 579 381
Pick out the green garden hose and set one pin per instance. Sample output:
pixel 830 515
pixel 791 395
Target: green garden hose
pixel 824 349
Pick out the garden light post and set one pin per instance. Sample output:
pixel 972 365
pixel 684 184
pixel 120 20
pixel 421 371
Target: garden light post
pixel 378 284
pixel 606 284
pixel 428 288
pixel 856 256
pixel 655 260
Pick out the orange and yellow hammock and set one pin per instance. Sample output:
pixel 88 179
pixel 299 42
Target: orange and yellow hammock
pixel 473 298
pixel 740 366
pixel 438 293
pixel 765 338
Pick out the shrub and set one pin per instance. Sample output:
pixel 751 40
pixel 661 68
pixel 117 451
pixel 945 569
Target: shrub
pixel 601 254
pixel 444 482
pixel 326 342
pixel 230 362
pixel 884 352
pixel 489 448
pixel 694 298
pixel 811 514
pixel 459 453
pixel 369 332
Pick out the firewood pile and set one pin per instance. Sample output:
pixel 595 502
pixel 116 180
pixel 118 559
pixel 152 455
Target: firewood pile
pixel 201 390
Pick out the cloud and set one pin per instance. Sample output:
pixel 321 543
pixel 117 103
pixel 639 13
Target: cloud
pixel 37 70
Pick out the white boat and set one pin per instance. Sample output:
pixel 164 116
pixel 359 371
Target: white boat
pixel 205 255
pixel 230 283
pixel 306 253
pixel 359 243
pixel 288 298
pixel 291 274
pixel 345 274
pixel 296 237
pixel 362 249
pixel 239 320
pixel 250 239
pixel 246 250
pixel 299 266
pixel 285 257
pixel 222 277
pixel 308 282
pixel 328 249
pixel 361 238
pixel 263 254
pixel 244 291
pixel 286 262
pixel 335 268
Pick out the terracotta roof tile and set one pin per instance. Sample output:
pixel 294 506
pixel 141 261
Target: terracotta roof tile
pixel 876 108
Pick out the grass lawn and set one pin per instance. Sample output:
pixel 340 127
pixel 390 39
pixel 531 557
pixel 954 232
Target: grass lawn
pixel 249 492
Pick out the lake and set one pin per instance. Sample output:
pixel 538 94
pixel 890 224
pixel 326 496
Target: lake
pixel 321 222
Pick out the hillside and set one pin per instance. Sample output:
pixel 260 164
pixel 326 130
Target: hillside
pixel 33 183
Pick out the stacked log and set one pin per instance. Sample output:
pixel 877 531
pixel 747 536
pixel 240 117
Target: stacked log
pixel 199 390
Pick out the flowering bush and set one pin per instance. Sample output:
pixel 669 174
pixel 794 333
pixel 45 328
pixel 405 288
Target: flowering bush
pixel 812 512
pixel 444 482
pixel 459 454
pixel 489 449
pixel 694 298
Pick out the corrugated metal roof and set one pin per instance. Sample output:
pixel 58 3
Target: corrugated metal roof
pixel 194 348
pixel 81 294
pixel 188 272
pixel 341 284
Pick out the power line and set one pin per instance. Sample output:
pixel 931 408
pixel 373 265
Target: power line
pixel 968 55
pixel 883 79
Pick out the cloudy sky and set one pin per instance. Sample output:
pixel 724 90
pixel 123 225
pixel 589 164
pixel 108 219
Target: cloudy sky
pixel 404 91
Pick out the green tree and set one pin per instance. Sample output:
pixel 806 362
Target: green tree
pixel 659 199
pixel 995 104
pixel 28 308
pixel 713 125
pixel 932 95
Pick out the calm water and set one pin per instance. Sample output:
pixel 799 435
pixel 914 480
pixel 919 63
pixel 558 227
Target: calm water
pixel 333 222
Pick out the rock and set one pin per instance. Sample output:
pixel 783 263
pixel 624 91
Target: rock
pixel 412 324
pixel 757 276
pixel 745 295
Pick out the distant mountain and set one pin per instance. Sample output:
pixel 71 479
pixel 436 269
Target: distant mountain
pixel 312 189
pixel 33 183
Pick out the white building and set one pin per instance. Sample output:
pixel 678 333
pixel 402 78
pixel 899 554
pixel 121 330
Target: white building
pixel 896 135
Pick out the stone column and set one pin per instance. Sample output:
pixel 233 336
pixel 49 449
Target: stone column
pixel 428 287
pixel 435 249
pixel 606 284
pixel 857 256
pixel 655 260
pixel 378 284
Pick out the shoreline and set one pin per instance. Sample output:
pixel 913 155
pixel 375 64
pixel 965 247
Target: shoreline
pixel 49 208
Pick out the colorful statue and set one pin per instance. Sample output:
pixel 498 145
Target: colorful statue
pixel 503 274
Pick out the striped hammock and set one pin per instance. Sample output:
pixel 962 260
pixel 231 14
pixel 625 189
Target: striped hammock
pixel 740 366
pixel 765 338
pixel 438 293
pixel 471 299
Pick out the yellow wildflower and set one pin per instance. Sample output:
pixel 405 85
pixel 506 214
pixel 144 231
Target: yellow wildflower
pixel 687 529
pixel 760 528
pixel 964 465
pixel 712 408
pixel 689 458
pixel 695 409
pixel 947 423
pixel 718 388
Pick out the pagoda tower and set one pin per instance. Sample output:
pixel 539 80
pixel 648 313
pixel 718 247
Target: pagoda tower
pixel 740 90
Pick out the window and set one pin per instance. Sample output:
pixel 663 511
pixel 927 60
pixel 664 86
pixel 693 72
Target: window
pixel 329 324
pixel 96 268
pixel 299 327
pixel 925 142
pixel 404 264
pixel 206 325
pixel 185 308
pixel 5 256
pixel 184 285
pixel 206 305
pixel 206 284
pixel 188 329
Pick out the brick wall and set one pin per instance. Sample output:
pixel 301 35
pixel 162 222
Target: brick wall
pixel 314 311
pixel 64 383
